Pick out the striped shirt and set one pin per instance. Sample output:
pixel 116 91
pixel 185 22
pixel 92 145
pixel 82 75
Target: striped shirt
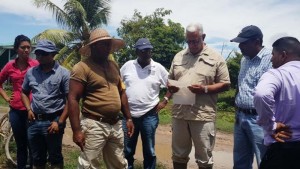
pixel 250 72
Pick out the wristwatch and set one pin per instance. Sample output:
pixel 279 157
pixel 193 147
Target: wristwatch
pixel 167 99
pixel 205 89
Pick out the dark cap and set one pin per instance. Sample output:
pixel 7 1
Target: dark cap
pixel 247 33
pixel 46 45
pixel 143 43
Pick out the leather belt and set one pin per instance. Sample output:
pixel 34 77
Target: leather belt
pixel 47 116
pixel 248 111
pixel 110 120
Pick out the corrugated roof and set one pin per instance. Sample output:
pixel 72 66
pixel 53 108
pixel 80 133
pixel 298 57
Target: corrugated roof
pixel 6 46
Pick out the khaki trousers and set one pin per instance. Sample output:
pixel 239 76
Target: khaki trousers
pixel 102 140
pixel 185 133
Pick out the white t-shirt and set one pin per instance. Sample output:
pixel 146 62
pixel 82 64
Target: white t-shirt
pixel 143 85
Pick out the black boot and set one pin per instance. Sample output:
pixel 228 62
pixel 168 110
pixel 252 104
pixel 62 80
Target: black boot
pixel 179 165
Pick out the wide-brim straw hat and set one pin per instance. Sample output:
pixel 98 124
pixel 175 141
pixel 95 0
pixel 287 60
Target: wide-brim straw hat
pixel 99 35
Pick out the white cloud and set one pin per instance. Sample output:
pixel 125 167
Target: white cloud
pixel 221 18
pixel 26 9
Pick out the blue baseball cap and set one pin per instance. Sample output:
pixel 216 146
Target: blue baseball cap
pixel 247 33
pixel 46 45
pixel 143 43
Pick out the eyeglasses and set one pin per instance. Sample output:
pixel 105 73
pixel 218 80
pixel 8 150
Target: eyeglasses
pixel 194 42
pixel 41 53
pixel 146 51
pixel 25 47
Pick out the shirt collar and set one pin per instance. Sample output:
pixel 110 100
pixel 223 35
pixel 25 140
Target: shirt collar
pixel 55 67
pixel 259 55
pixel 150 65
pixel 29 61
pixel 204 52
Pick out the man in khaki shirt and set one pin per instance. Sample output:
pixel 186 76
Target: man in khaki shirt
pixel 206 73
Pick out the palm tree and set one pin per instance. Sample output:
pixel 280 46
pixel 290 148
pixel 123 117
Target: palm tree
pixel 77 19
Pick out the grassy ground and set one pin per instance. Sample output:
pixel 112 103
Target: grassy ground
pixel 71 154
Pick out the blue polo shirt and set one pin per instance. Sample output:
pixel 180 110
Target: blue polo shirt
pixel 49 90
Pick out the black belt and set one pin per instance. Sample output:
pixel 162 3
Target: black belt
pixel 47 116
pixel 248 111
pixel 109 120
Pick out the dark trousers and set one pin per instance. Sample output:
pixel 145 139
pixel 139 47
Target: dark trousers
pixel 146 125
pixel 45 146
pixel 18 121
pixel 282 156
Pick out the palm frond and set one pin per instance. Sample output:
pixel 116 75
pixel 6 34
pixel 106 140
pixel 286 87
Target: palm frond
pixel 58 36
pixel 77 13
pixel 73 58
pixel 61 17
pixel 100 18
pixel 60 57
pixel 77 18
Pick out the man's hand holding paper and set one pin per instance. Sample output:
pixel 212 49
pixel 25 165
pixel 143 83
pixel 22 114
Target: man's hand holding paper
pixel 197 89
pixel 182 94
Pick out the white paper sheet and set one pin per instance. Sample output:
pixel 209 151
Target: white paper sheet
pixel 184 96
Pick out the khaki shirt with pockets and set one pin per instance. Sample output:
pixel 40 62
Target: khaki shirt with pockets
pixel 206 68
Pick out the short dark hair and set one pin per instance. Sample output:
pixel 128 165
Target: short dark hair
pixel 19 39
pixel 288 44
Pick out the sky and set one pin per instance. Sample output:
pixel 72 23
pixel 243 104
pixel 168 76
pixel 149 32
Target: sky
pixel 222 19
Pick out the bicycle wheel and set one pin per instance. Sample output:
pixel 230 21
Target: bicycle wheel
pixel 11 149
pixel 5 128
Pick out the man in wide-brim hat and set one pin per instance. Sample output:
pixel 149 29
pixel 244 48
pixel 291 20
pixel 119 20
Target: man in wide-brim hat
pixel 97 81
pixel 101 35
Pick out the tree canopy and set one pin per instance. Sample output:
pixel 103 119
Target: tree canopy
pixel 77 18
pixel 167 38
pixel 233 64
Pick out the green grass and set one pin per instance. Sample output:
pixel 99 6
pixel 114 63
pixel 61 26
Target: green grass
pixel 71 155
pixel 139 165
pixel 225 121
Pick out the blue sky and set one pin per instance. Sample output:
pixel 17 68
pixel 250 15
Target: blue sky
pixel 222 19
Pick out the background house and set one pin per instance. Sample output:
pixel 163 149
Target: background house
pixel 8 53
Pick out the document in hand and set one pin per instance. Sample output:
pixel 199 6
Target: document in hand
pixel 184 96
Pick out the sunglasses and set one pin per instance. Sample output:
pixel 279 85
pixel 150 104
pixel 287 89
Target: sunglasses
pixel 194 42
pixel 25 47
pixel 146 50
pixel 41 53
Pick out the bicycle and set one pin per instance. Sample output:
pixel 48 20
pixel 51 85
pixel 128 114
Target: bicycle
pixel 8 140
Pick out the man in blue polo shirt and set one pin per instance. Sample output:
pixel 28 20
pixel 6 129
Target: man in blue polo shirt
pixel 47 112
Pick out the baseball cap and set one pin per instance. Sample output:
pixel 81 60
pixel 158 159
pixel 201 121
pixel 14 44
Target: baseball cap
pixel 46 45
pixel 143 43
pixel 247 33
